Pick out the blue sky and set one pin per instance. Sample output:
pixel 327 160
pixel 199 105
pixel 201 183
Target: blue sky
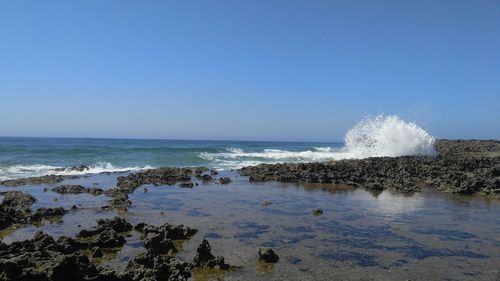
pixel 256 70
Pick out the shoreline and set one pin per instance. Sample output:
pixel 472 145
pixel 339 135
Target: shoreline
pixel 460 166
pixel 463 167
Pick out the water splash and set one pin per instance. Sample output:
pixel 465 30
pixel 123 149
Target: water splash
pixel 388 136
pixel 371 137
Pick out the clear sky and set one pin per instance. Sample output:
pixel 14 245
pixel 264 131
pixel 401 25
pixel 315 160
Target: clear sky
pixel 257 70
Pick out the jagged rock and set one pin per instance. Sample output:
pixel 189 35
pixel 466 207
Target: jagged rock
pixel 77 189
pixel 108 233
pixel 17 199
pixel 47 213
pixel 50 179
pixel 317 212
pixel 268 255
pixel 204 257
pixel 97 252
pixel 225 180
pixel 465 167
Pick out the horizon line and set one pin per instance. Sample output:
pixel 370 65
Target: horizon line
pixel 171 139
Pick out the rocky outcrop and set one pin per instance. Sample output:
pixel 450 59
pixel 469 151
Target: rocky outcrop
pixel 268 255
pixel 204 257
pixel 17 199
pixel 47 213
pixel 464 171
pixel 224 180
pixel 108 234
pixel 161 176
pixel 44 258
pixel 77 189
pixel 50 179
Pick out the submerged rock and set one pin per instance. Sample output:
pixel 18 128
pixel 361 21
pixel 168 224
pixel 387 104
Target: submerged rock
pixel 97 252
pixel 204 257
pixel 317 212
pixel 225 180
pixel 17 199
pixel 47 213
pixel 50 179
pixel 77 189
pixel 268 255
pixel 186 185
pixel 109 233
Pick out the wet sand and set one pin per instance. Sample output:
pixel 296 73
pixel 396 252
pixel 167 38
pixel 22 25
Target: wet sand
pixel 361 234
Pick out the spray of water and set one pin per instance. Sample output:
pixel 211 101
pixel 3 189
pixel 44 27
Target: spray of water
pixel 387 136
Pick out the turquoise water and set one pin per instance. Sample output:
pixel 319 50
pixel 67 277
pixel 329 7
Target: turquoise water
pixel 25 157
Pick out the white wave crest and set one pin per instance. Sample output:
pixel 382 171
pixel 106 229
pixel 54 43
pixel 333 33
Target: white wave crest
pixel 376 137
pixel 36 170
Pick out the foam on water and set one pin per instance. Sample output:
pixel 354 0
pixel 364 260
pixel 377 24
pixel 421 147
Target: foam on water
pixel 22 171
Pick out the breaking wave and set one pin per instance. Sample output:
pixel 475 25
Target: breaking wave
pixel 24 171
pixel 375 137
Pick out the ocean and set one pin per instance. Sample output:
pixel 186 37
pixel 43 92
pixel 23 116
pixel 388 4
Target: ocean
pixel 29 157
pixel 26 157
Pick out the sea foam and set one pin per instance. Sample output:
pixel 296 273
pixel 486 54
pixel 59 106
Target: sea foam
pixel 371 137
pixel 35 170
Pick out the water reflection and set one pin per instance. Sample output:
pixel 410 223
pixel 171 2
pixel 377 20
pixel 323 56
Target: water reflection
pixel 394 204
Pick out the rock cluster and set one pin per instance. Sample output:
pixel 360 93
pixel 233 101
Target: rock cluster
pixel 44 258
pixel 459 171
pixel 50 179
pixel 268 255
pixel 15 209
pixel 109 234
pixel 161 176
pixel 204 257
pixel 77 189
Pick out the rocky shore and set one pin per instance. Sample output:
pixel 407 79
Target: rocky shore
pixel 465 167
pixel 45 258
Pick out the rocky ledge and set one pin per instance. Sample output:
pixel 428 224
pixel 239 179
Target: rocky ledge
pixel 45 258
pixel 50 179
pixel 15 209
pixel 464 167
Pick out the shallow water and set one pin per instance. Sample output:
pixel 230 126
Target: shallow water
pixel 360 236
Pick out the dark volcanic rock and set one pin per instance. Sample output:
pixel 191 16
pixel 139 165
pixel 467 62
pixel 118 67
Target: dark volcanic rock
pixel 157 177
pixel 204 257
pixel 268 255
pixel 224 180
pixel 317 212
pixel 43 258
pixel 109 233
pixel 206 177
pixel 77 189
pixel 50 179
pixel 465 167
pixel 10 216
pixel 17 199
pixel 97 252
pixel 148 266
pixel 160 176
pixel 186 185
pixel 15 208
pixel 47 213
